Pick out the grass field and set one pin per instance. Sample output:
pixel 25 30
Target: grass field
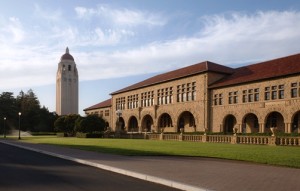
pixel 274 155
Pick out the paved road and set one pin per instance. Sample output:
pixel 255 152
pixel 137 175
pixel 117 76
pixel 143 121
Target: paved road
pixel 186 173
pixel 21 169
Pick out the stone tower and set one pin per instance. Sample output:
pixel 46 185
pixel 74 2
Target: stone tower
pixel 66 85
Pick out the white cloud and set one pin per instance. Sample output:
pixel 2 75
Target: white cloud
pixel 49 15
pixel 225 39
pixel 12 31
pixel 122 16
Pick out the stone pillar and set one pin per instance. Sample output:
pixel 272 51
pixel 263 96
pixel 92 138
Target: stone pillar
pixel 161 136
pixel 204 138
pixel 272 141
pixel 234 139
pixel 261 127
pixel 287 128
pixel 240 126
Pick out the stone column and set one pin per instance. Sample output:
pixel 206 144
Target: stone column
pixel 261 127
pixel 287 128
pixel 240 126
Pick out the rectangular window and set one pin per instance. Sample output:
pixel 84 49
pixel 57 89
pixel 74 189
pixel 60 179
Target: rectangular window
pixel 294 90
pixel 218 99
pixel 230 100
pixel 244 98
pixel 232 97
pixel 186 92
pixel 281 94
pixel 250 98
pixel 120 103
pixel 267 93
pixel 164 96
pixel 274 94
pixel 215 99
pixel 256 94
pixel 256 97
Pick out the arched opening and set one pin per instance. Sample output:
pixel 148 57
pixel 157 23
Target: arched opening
pixel 121 123
pixel 229 123
pixel 296 123
pixel 250 124
pixel 186 121
pixel 133 124
pixel 106 125
pixel 275 119
pixel 165 120
pixel 147 123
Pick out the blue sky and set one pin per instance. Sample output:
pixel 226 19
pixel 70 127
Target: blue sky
pixel 118 43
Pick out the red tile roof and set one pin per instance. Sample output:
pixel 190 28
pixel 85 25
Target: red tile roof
pixel 179 73
pixel 261 71
pixel 106 103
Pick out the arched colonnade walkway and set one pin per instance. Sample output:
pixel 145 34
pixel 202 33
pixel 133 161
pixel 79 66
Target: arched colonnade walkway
pixel 253 123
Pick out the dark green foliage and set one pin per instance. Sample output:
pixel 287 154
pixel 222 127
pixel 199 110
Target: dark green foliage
pixel 33 117
pixel 90 124
pixel 89 135
pixel 66 124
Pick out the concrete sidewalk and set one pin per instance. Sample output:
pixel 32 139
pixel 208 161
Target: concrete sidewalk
pixel 186 173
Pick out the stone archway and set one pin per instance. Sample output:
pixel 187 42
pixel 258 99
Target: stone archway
pixel 186 120
pixel 133 124
pixel 296 122
pixel 250 124
pixel 121 123
pixel 276 120
pixel 147 123
pixel 229 123
pixel 165 120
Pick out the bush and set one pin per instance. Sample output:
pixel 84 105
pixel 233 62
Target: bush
pixel 61 134
pixel 66 124
pixel 89 135
pixel 90 124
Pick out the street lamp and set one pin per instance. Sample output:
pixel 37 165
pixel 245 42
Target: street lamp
pixel 20 125
pixel 4 133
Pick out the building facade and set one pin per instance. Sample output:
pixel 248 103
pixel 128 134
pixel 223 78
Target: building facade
pixel 67 85
pixel 211 97
pixel 102 109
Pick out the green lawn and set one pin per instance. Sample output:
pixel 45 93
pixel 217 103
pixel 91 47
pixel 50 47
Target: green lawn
pixel 274 155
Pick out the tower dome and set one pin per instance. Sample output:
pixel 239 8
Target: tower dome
pixel 67 55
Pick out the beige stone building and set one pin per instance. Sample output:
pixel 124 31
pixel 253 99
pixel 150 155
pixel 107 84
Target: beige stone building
pixel 67 85
pixel 211 97
pixel 103 110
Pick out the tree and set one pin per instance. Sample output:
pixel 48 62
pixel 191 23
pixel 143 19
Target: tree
pixel 90 124
pixel 66 124
pixel 59 124
pixel 46 120
pixel 8 109
pixel 29 106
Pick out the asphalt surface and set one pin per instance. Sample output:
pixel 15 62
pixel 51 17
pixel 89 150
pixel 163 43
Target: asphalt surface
pixel 22 169
pixel 185 173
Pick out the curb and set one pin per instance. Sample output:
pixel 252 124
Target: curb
pixel 133 174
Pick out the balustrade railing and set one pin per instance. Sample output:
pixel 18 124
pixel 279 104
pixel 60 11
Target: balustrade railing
pixel 233 139
pixel 258 140
pixel 171 137
pixel 219 138
pixel 288 141
pixel 193 138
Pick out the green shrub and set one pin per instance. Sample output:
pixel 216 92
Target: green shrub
pixel 89 135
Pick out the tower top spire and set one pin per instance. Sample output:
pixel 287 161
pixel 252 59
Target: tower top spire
pixel 67 55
